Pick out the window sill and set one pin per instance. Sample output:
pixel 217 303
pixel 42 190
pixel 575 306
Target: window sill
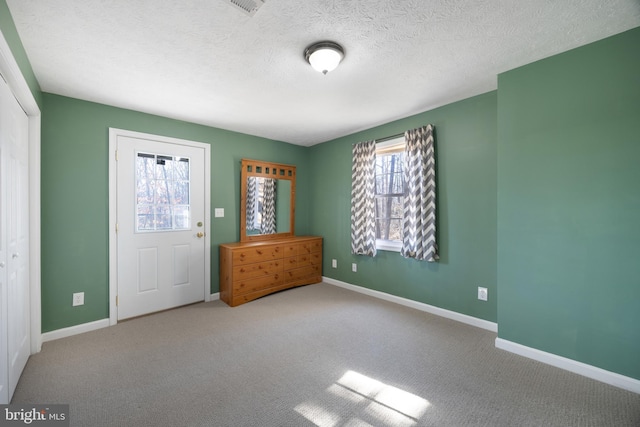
pixel 388 245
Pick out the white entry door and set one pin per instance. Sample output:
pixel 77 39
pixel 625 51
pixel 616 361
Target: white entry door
pixel 14 242
pixel 161 225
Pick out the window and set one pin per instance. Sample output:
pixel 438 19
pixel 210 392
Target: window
pixel 390 189
pixel 162 193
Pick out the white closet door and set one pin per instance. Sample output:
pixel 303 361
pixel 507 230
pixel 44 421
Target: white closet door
pixel 4 332
pixel 14 242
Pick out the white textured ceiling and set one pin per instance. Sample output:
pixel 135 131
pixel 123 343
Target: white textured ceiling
pixel 204 61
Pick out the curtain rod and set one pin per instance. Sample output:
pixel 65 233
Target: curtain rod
pixel 387 138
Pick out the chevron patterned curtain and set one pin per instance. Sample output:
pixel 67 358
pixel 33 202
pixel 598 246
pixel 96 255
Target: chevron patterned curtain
pixel 363 220
pixel 419 216
pixel 269 206
pixel 252 190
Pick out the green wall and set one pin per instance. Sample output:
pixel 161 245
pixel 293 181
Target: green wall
pixel 466 187
pixel 75 197
pixel 8 28
pixel 569 204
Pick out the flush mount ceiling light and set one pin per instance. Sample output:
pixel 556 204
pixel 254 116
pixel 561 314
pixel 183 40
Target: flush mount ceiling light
pixel 324 56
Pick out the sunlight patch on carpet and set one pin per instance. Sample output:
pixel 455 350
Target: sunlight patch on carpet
pixel 360 398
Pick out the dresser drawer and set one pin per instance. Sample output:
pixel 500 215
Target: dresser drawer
pixel 303 248
pixel 302 261
pixel 249 271
pixel 257 254
pixel 310 247
pixel 290 249
pixel 252 285
pixel 315 258
pixel 303 273
pixel 290 263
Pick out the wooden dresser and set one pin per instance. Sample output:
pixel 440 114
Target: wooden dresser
pixel 251 270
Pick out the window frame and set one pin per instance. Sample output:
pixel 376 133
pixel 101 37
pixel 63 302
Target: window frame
pixel 391 146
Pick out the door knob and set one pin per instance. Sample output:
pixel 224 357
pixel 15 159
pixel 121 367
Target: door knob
pixel 200 234
pixel 1 264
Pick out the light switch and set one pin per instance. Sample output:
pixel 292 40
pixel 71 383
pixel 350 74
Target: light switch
pixel 219 212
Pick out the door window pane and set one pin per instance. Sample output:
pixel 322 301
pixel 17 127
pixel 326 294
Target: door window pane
pixel 181 217
pixel 181 192
pixel 145 218
pixel 162 193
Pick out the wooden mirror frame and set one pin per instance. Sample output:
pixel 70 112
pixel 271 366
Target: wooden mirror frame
pixel 262 169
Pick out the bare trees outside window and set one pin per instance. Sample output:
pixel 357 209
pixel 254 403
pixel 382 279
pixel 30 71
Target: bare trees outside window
pixel 162 190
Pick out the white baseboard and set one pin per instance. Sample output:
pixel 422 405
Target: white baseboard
pixel 88 327
pixel 589 371
pixel 75 330
pixel 469 320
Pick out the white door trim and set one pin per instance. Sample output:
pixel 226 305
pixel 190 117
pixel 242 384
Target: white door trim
pixel 13 75
pixel 113 252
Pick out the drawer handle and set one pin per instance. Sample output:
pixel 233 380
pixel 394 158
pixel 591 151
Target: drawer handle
pixel 259 252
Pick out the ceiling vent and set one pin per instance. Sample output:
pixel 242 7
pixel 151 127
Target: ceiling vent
pixel 250 7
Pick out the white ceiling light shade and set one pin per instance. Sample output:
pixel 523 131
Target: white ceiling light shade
pixel 324 56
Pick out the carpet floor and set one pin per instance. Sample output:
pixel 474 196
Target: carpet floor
pixel 317 355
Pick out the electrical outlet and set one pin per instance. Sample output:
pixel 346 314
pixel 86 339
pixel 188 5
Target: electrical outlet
pixel 334 263
pixel 354 267
pixel 78 299
pixel 483 294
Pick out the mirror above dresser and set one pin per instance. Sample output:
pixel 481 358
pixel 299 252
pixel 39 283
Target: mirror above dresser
pixel 267 200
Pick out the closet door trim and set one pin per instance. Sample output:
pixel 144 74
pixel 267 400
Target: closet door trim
pixel 11 73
